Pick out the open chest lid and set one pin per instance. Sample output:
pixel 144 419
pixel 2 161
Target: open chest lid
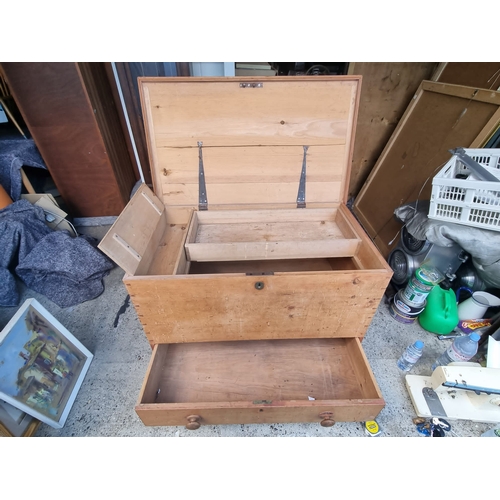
pixel 240 142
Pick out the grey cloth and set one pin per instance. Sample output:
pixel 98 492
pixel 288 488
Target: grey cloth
pixel 14 154
pixel 483 245
pixel 22 226
pixel 67 270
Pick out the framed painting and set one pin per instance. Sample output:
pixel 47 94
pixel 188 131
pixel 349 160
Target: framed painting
pixel 16 423
pixel 42 365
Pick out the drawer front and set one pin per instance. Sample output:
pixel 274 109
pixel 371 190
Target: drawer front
pixel 324 413
pixel 282 306
pixel 317 380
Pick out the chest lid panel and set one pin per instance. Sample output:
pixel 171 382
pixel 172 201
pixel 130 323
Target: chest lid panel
pixel 252 138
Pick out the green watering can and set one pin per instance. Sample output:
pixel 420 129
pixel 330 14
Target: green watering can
pixel 441 312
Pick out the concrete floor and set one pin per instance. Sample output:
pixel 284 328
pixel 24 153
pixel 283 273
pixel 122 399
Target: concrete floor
pixel 105 403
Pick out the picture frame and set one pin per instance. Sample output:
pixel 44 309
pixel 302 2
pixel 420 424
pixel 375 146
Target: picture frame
pixel 42 365
pixel 16 423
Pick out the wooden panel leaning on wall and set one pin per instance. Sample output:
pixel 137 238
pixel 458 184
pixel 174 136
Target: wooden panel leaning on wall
pixel 386 91
pixel 440 117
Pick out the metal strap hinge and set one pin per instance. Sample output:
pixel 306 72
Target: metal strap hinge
pixel 202 198
pixel 301 196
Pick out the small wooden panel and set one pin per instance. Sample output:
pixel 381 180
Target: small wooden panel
pixel 133 239
pixel 205 308
pixel 260 381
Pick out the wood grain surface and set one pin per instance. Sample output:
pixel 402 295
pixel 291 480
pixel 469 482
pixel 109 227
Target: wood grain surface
pixel 204 308
pixel 260 381
pixel 256 125
pixel 386 91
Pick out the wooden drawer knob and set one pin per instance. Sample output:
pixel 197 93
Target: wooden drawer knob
pixel 193 422
pixel 327 419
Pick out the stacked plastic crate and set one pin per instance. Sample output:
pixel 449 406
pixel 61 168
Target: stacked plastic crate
pixel 467 189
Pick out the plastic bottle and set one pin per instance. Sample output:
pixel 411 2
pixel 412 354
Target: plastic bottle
pixel 491 433
pixel 410 356
pixel 462 349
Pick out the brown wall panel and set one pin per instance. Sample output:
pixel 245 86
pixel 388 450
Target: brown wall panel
pixel 72 117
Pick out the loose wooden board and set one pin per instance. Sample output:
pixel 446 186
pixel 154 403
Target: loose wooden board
pixel 440 117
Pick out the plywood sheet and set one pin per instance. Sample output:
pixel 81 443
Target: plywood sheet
pixel 483 75
pixel 386 91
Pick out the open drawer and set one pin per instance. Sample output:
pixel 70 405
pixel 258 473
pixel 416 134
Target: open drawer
pixel 312 380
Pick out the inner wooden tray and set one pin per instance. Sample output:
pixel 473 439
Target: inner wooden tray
pixel 253 381
pixel 235 235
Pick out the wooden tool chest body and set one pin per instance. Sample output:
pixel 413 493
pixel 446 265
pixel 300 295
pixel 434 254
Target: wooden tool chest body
pixel 252 280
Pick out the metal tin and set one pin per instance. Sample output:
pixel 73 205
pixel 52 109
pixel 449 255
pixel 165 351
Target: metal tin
pixel 407 308
pixel 403 312
pixel 418 288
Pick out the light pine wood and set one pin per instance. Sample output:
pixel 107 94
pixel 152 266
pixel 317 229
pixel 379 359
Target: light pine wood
pixel 256 250
pixel 166 257
pixel 299 111
pixel 205 308
pixel 152 379
pixel 182 263
pixel 241 133
pixel 368 256
pixel 319 307
pixel 134 237
pixel 236 165
pixel 364 375
pixel 352 410
pixel 259 381
pixel 266 235
pixel 231 171
pixel 250 193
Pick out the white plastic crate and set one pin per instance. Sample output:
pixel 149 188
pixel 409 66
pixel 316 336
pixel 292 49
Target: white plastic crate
pixel 459 197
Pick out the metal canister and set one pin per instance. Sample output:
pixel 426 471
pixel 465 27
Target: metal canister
pixel 420 285
pixel 403 312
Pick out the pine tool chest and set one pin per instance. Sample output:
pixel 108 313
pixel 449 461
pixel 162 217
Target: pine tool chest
pixel 252 280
